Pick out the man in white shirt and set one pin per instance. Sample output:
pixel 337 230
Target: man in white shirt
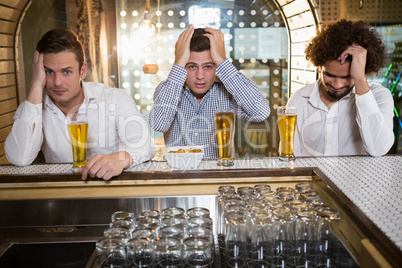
pixel 341 113
pixel 118 135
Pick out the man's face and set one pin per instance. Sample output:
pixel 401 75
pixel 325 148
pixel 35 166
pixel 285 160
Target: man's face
pixel 200 73
pixel 336 80
pixel 63 78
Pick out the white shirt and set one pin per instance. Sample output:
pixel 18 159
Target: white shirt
pixel 354 125
pixel 114 124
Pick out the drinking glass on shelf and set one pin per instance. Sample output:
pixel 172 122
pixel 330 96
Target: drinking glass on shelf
pixel 283 235
pixel 236 239
pixel 77 124
pixel 111 252
pixel 140 253
pixel 172 212
pixel 152 213
pixel 197 252
pixel 198 212
pixel 306 246
pixel 123 215
pixel 287 118
pixel 168 252
pixel 225 124
pixel 261 253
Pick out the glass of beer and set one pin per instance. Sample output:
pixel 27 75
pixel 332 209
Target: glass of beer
pixel 287 118
pixel 78 131
pixel 224 123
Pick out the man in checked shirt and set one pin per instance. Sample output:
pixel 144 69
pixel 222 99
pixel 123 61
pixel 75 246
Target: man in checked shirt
pixel 201 81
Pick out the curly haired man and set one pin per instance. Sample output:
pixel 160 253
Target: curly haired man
pixel 342 113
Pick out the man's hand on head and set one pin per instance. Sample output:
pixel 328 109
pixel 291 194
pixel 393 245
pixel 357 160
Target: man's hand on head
pixel 182 47
pixel 357 66
pixel 359 58
pixel 106 166
pixel 217 42
pixel 38 81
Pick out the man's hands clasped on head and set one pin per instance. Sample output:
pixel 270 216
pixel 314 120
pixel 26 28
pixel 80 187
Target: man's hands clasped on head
pixel 182 47
pixel 217 41
pixel 217 44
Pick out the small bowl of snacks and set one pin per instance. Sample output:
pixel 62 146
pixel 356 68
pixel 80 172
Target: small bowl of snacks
pixel 184 157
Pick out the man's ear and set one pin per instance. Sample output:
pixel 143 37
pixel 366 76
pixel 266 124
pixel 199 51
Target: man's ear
pixel 83 70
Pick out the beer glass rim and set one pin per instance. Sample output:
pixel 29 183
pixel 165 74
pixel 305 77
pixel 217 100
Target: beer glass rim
pixel 223 110
pixel 80 116
pixel 291 109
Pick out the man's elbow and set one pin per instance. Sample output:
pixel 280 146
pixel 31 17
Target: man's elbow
pixel 158 127
pixel 380 151
pixel 18 161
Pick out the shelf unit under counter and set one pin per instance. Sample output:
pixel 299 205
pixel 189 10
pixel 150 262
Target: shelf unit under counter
pixel 370 229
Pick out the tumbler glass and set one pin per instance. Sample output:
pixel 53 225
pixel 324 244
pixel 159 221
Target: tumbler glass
pixel 224 189
pixel 173 212
pixel 168 252
pixel 197 252
pixel 140 253
pixel 111 252
pixel 262 188
pixel 311 198
pixel 149 214
pixel 306 245
pixel 200 221
pixel 329 251
pixel 235 239
pixel 171 231
pixel 148 223
pixel 198 212
pixel 123 233
pixel 123 215
pixel 175 222
pixel 261 239
pixel 148 234
pixel 283 236
pixel 126 224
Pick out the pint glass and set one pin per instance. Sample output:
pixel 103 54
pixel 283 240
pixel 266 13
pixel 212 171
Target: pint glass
pixel 287 118
pixel 224 123
pixel 78 131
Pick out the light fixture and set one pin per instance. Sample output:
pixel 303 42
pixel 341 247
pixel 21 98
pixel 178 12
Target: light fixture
pixel 146 28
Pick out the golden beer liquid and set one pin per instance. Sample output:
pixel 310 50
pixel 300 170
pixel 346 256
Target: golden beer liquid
pixel 78 136
pixel 287 124
pixel 224 123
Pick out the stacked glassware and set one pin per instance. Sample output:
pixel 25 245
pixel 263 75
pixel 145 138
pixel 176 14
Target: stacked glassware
pixel 288 227
pixel 170 238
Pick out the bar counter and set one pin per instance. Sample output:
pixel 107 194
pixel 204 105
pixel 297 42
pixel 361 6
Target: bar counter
pixel 371 186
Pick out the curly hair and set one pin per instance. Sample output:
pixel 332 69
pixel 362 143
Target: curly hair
pixel 336 37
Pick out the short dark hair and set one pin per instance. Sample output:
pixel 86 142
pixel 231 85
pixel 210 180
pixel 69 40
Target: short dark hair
pixel 336 37
pixel 59 40
pixel 199 42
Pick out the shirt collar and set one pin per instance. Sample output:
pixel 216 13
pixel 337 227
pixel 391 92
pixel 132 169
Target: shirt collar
pixel 314 95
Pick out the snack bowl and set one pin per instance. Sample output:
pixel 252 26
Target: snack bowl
pixel 184 157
